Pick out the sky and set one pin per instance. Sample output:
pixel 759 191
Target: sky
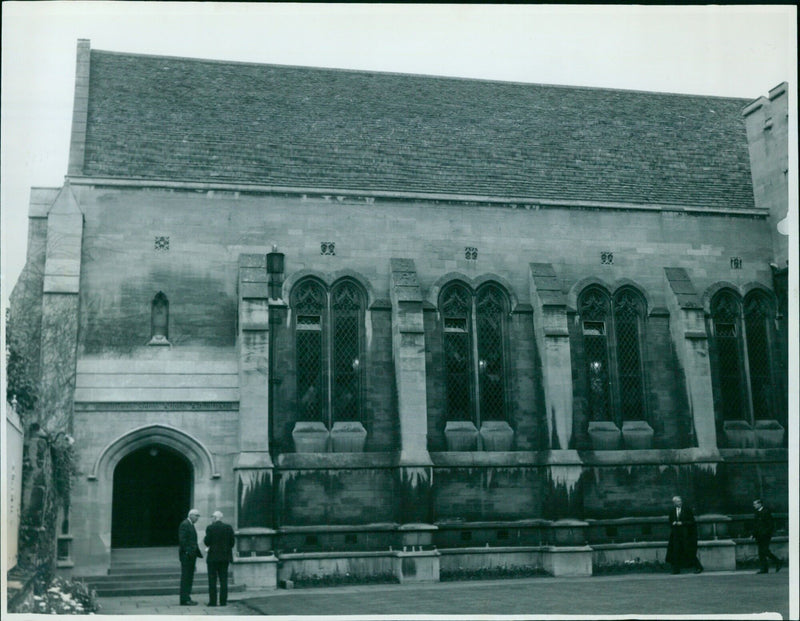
pixel 733 51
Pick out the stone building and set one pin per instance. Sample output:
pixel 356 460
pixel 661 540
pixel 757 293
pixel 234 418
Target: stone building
pixel 400 321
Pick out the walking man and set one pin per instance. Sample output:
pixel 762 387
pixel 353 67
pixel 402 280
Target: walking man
pixel 763 528
pixel 682 546
pixel 188 552
pixel 220 540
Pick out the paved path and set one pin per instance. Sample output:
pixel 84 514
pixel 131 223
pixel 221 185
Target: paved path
pixel 717 593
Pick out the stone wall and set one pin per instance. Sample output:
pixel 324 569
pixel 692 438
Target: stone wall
pixel 188 245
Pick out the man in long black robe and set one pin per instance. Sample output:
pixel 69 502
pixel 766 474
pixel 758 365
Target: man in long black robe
pixel 682 547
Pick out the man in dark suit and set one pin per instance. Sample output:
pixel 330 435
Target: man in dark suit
pixel 682 546
pixel 220 540
pixel 188 552
pixel 763 528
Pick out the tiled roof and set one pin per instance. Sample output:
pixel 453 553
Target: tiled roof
pixel 196 120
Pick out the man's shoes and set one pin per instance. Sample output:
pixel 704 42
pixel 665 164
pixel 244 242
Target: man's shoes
pixel 676 571
pixel 763 571
pixel 698 570
pixel 778 566
pixel 224 604
pixel 211 604
pixel 191 602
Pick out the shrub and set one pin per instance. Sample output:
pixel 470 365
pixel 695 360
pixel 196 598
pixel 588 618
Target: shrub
pixel 60 596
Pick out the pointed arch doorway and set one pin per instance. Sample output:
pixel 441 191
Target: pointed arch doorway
pixel 151 495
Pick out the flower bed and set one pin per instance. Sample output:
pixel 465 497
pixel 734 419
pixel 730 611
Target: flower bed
pixel 634 565
pixel 340 579
pixel 491 573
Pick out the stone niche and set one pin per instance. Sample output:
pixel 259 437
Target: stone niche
pixel 461 435
pixel 769 433
pixel 496 435
pixel 738 434
pixel 348 437
pixel 637 434
pixel 310 437
pixel 604 435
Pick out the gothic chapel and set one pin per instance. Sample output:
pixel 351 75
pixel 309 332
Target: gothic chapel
pixel 392 322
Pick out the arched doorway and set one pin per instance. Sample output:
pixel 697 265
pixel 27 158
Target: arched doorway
pixel 152 494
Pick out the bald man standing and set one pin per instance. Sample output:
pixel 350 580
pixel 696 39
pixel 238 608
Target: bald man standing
pixel 220 541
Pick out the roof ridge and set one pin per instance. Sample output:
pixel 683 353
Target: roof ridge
pixel 432 76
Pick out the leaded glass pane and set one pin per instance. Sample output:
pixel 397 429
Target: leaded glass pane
pixel 725 314
pixel 308 300
pixel 596 350
pixel 629 361
pixel 347 307
pixel 456 356
pixel 490 314
pixel 455 306
pixel 593 306
pixel 757 315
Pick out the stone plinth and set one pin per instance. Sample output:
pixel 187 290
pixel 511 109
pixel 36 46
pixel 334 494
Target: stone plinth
pixel 637 434
pixel 348 437
pixel 567 561
pixel 254 542
pixel 739 434
pixel 496 435
pixel 717 555
pixel 310 437
pixel 461 435
pixel 605 436
pixel 569 532
pixel 417 566
pixel 256 572
pixel 769 434
pixel 416 535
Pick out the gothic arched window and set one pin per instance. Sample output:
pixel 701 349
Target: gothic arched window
pixel 613 331
pixel 759 318
pixel 475 368
pixel 629 313
pixel 328 345
pixel 159 319
pixel 727 329
pixel 594 307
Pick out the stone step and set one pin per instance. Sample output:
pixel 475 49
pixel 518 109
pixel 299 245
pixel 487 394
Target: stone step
pixel 127 590
pixel 144 569
pixel 143 584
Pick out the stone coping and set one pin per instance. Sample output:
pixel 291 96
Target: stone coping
pixel 304 556
pixel 528 523
pixel 492 550
pixel 271 558
pixel 614 458
pixel 340 528
pixel 627 545
pixel 255 531
pixel 744 455
pixel 327 461
pixel 417 527
pixel 628 520
pixel 510 459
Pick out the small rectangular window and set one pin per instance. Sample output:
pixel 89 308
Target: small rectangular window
pixel 726 329
pixel 455 324
pixel 308 322
pixel 594 328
